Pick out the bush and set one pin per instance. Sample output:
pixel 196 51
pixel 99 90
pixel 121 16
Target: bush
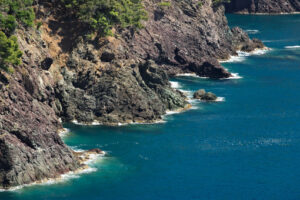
pixel 8 24
pixel 9 51
pixel 102 15
pixel 164 4
pixel 20 9
pixel 219 2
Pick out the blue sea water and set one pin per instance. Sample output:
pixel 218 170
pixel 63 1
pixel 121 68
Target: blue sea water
pixel 247 147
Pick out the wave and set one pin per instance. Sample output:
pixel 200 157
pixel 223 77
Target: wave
pixel 242 55
pixel 188 74
pixel 63 132
pixel 170 112
pixel 220 99
pixel 233 59
pixel 142 123
pixel 175 84
pixel 233 76
pixel 292 47
pixel 191 75
pixel 252 31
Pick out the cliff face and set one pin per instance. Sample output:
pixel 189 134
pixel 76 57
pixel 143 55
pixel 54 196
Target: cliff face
pixel 30 147
pixel 263 6
pixel 187 37
pixel 108 80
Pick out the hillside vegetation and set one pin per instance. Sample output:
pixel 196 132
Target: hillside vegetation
pixel 99 15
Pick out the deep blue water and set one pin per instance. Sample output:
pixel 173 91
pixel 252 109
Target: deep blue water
pixel 247 147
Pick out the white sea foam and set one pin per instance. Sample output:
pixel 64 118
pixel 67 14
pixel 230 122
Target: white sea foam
pixel 252 31
pixel 170 112
pixel 74 121
pixel 191 75
pixel 188 74
pixel 233 76
pixel 233 59
pixel 175 84
pixel 220 99
pixel 242 55
pixel 292 47
pixel 142 123
pixel 64 132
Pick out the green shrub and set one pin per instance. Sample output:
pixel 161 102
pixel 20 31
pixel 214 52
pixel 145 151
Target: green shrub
pixel 102 15
pixel 9 51
pixel 219 2
pixel 21 9
pixel 164 4
pixel 8 24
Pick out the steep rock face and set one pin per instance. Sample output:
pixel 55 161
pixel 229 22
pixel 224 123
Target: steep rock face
pixel 108 80
pixel 30 147
pixel 186 38
pixel 263 6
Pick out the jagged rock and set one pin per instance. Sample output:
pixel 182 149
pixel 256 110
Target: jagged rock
pixel 187 38
pixel 133 93
pixel 204 96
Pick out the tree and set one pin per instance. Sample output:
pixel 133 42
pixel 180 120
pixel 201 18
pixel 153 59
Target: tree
pixel 9 51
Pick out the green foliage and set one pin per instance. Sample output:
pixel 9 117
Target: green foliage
pixel 102 15
pixel 9 52
pixel 164 4
pixel 200 4
pixel 12 14
pixel 21 9
pixel 8 24
pixel 38 25
pixel 219 2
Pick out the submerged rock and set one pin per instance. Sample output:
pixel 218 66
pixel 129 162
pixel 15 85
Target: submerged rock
pixel 204 96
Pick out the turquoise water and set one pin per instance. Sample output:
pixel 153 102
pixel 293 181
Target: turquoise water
pixel 247 147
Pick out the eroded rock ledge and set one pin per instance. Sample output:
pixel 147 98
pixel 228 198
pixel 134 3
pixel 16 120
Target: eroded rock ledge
pixel 109 80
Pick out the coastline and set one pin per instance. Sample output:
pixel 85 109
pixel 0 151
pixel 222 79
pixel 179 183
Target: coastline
pixel 271 14
pixel 242 54
pixel 130 122
pixel 85 158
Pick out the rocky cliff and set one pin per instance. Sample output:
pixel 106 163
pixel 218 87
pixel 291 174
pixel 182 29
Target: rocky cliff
pixel 66 76
pixel 263 6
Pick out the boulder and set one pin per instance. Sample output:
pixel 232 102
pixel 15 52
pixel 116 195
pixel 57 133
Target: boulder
pixel 204 96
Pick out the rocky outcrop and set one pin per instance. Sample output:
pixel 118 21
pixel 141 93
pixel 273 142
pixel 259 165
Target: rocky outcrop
pixel 187 37
pixel 132 93
pixel 263 6
pixel 204 96
pixel 110 80
pixel 30 147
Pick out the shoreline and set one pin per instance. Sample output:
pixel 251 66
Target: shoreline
pixel 158 121
pixel 269 14
pixel 85 158
pixel 243 54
